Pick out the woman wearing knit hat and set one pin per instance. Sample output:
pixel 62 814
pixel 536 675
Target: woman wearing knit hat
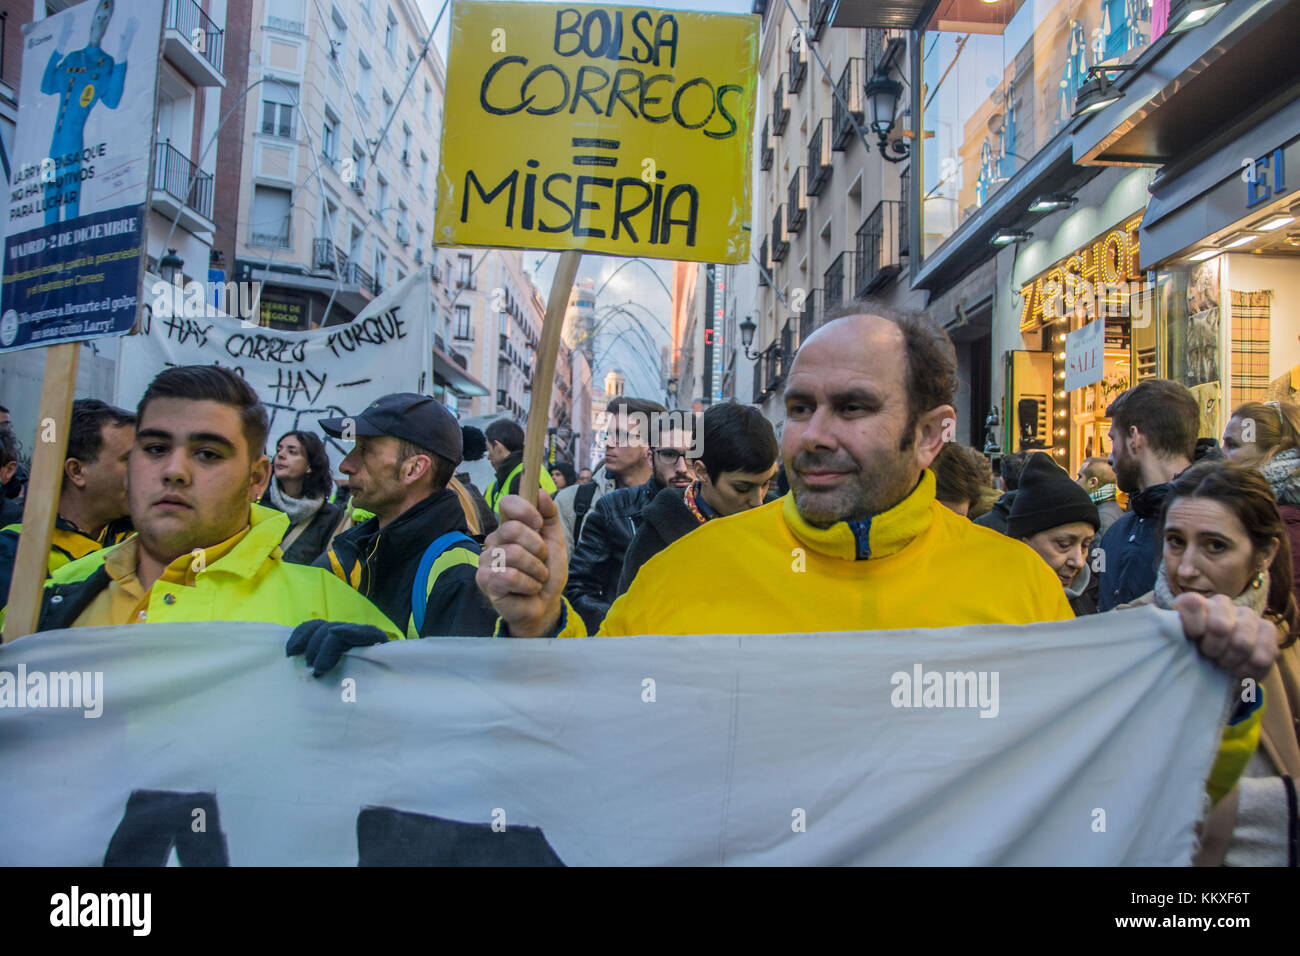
pixel 1058 519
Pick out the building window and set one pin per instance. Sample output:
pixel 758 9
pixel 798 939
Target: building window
pixel 329 137
pixel 381 195
pixel 996 96
pixel 381 267
pixel 406 145
pixel 390 34
pixel 278 110
pixel 359 164
pixel 428 102
pixel 339 43
pixel 424 170
pixel 269 224
pixel 388 107
pixel 285 15
pixel 464 330
pixel 363 81
pixel 464 272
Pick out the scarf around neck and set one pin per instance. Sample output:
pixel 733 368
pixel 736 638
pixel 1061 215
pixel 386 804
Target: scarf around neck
pixel 875 537
pixel 298 509
pixel 1255 598
pixel 1282 472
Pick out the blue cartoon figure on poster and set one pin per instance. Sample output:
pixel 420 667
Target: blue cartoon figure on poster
pixel 81 79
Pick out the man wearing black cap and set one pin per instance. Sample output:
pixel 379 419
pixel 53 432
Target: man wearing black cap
pixel 414 559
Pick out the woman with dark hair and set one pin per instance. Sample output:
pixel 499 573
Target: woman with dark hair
pixel 1266 436
pixel 300 486
pixel 563 474
pixel 1222 534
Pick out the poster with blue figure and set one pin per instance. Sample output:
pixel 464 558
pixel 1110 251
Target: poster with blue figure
pixel 78 199
pixel 81 80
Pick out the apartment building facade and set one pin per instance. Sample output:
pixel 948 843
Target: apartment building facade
pixel 830 211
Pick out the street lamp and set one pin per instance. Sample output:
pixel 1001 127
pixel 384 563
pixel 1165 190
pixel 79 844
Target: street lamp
pixel 169 266
pixel 747 338
pixel 882 96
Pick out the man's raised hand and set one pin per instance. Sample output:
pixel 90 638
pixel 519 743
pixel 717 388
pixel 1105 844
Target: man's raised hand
pixel 523 566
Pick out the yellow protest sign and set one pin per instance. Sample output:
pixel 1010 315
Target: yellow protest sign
pixel 624 130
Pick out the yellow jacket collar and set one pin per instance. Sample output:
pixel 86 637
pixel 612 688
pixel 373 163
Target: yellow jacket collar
pixel 267 528
pixel 876 537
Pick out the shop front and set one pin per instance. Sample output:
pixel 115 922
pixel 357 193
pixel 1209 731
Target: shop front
pixel 1088 332
pixel 1224 238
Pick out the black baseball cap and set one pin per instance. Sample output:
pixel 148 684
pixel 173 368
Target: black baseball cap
pixel 418 419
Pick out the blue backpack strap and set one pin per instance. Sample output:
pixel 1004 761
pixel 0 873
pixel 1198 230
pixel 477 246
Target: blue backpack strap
pixel 420 587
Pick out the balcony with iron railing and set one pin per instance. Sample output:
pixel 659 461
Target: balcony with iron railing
pixel 878 248
pixel 194 43
pixel 837 280
pixel 765 151
pixel 847 122
pixel 780 240
pixel 181 190
pixel 765 264
pixel 797 197
pixel 819 15
pixel 819 157
pixel 810 315
pixel 798 57
pixel 780 105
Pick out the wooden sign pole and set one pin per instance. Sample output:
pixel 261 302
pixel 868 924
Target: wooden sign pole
pixel 544 375
pixel 42 503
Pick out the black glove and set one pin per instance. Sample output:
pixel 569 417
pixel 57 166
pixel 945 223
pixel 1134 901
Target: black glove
pixel 323 642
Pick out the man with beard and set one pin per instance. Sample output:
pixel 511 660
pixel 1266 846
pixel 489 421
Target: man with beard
pixel 1153 439
pixel 859 544
pixel 598 557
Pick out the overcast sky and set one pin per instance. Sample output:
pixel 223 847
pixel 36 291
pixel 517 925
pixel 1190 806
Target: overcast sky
pixel 639 365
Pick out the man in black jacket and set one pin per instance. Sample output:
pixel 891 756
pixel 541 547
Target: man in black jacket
pixel 1153 438
pixel 736 464
pixel 997 517
pixel 407 447
pixel 597 559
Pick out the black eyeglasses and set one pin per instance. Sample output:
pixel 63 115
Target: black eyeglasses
pixel 669 456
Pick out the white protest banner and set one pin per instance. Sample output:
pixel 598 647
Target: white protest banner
pixel 1078 743
pixel 1083 355
pixel 300 376
pixel 82 163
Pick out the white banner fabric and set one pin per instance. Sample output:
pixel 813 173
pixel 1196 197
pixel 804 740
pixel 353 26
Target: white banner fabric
pixel 1084 743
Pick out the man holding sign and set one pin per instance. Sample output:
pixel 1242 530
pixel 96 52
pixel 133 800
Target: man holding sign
pixel 860 542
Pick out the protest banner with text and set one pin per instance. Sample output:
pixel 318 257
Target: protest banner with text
pixel 300 376
pixel 624 130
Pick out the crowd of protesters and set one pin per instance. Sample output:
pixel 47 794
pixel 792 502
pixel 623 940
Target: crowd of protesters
pixel 846 522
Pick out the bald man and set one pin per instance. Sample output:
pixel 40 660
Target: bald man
pixel 1098 479
pixel 859 543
